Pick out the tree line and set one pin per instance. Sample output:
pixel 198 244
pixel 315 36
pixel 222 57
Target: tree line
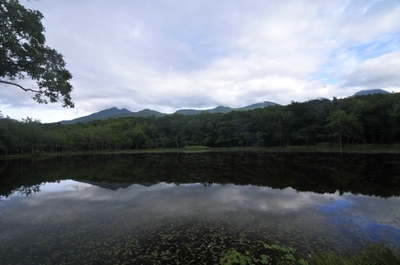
pixel 368 119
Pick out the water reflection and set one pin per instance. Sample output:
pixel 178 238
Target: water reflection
pixel 76 213
pixel 194 208
pixel 377 175
pixel 369 217
pixel 216 198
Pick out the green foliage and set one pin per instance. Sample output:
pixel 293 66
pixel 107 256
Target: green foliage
pixel 320 124
pixel 23 53
pixel 235 257
pixel 343 124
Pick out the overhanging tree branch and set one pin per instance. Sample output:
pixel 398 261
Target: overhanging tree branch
pixel 24 54
pixel 15 84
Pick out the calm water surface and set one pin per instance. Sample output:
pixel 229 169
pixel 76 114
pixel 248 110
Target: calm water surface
pixel 195 208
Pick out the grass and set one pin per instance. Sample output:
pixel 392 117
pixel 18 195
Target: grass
pixel 197 148
pixel 321 147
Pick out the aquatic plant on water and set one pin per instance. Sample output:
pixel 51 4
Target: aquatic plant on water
pixel 379 254
pixel 275 254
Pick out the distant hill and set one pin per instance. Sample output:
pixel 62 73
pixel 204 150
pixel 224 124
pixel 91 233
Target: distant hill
pixel 147 113
pixel 371 91
pixel 258 105
pixel 114 113
pixel 219 109
pixel 222 109
pixel 119 113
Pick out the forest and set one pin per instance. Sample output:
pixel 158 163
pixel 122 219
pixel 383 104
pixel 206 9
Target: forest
pixel 367 119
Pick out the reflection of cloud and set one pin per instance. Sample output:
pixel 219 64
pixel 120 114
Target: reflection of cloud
pixel 367 208
pixel 188 199
pixel 165 197
pixel 65 185
pixel 266 199
pixel 372 217
pixel 216 197
pixel 379 210
pixel 74 203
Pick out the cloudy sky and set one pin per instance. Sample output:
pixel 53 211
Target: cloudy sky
pixel 167 55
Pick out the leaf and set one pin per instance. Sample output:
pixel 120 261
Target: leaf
pixel 302 262
pixel 289 257
pixel 264 259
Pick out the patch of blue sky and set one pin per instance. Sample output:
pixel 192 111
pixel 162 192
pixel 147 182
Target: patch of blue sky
pixel 328 71
pixel 375 48
pixel 355 54
pixel 326 78
pixel 370 7
pixel 198 50
pixel 353 223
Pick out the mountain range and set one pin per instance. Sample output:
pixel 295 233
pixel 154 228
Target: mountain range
pixel 119 113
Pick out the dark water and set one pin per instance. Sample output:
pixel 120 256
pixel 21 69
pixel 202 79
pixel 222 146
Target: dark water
pixel 195 208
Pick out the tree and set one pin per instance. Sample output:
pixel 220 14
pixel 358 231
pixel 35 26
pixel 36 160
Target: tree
pixel 24 54
pixel 343 124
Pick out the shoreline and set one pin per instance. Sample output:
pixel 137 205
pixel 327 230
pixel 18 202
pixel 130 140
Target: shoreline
pixel 350 149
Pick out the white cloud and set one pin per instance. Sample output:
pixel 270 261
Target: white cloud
pixel 376 72
pixel 181 54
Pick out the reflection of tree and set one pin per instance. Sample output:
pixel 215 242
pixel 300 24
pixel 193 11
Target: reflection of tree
pixel 316 172
pixel 28 190
pixel 2 168
pixel 206 184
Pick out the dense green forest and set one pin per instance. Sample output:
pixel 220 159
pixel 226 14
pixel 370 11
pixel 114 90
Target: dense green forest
pixel 362 119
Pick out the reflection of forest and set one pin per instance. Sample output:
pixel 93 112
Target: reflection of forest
pixel 365 174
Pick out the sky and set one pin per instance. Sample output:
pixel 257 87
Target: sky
pixel 167 55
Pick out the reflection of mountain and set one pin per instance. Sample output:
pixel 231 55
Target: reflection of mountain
pixel 321 173
pixel 107 185
pixel 113 185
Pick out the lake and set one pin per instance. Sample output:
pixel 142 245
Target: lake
pixel 196 208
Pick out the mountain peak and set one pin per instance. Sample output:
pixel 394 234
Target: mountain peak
pixel 370 91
